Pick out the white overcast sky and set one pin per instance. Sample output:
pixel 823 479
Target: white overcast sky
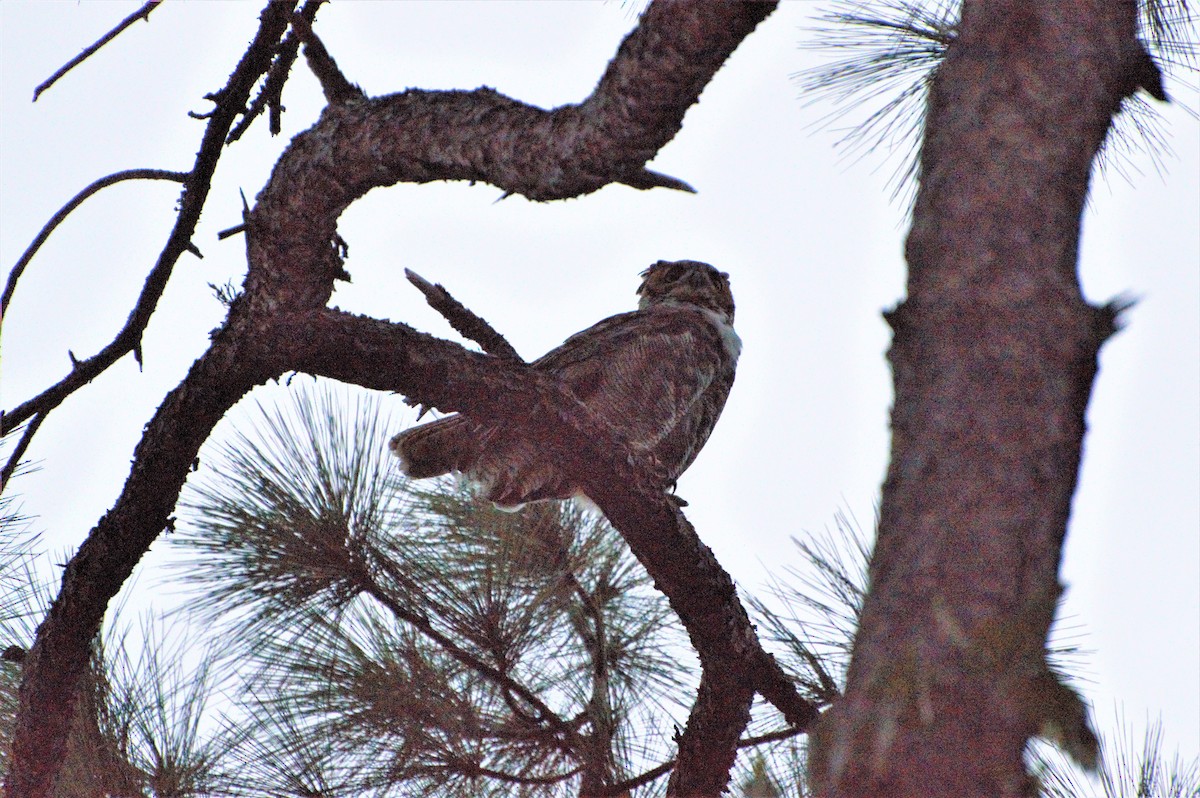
pixel 811 239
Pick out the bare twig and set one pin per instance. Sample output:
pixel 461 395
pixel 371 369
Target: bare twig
pixel 465 322
pixel 141 13
pixel 230 232
pixel 64 211
pixel 15 459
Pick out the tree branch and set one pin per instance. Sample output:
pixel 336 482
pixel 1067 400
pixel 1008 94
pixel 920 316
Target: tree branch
pixel 271 95
pixel 14 459
pixel 337 88
pixel 142 13
pixel 658 771
pixel 563 735
pixel 65 211
pixel 465 322
pixel 254 63
pixel 161 461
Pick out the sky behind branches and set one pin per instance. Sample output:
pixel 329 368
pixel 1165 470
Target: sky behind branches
pixel 811 239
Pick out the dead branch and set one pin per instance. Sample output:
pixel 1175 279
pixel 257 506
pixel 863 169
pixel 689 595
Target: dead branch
pixel 142 13
pixel 64 211
pixel 253 65
pixel 465 322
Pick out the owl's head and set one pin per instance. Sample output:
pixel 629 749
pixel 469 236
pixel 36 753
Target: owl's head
pixel 686 282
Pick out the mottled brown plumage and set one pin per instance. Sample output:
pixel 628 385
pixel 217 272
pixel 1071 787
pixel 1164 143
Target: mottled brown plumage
pixel 659 375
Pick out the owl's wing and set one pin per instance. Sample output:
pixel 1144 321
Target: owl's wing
pixel 644 372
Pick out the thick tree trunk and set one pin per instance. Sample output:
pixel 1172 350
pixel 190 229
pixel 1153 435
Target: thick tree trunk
pixel 993 358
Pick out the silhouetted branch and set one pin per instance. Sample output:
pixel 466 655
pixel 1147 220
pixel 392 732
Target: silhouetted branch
pixel 14 459
pixel 142 13
pixel 469 325
pixel 60 654
pixel 64 211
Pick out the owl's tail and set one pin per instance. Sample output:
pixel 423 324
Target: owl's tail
pixel 439 447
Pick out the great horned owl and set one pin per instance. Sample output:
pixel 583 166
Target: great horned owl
pixel 659 375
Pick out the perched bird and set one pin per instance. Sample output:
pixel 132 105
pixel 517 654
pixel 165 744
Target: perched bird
pixel 658 375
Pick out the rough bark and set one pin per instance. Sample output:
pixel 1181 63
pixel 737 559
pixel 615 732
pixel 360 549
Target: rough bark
pixel 279 323
pixel 993 358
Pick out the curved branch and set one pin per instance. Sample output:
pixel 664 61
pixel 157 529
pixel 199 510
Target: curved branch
pixel 64 211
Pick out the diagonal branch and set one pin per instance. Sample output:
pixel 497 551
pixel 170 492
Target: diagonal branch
pixel 14 459
pixel 565 737
pixel 336 86
pixel 462 319
pixel 142 13
pixel 270 96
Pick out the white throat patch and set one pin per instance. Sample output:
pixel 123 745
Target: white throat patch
pixel 729 337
